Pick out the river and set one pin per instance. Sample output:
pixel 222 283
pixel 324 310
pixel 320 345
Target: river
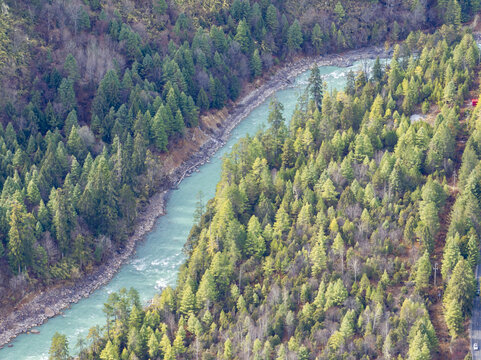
pixel 157 258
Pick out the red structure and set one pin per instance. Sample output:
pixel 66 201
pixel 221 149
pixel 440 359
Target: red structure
pixel 474 102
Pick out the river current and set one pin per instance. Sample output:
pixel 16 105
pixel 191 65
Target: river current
pixel 157 258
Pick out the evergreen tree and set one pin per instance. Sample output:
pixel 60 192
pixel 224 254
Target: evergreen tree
pixel 336 294
pixel 228 351
pixel 64 219
pixel 243 36
pixel 256 64
pixel 207 291
pixel 339 11
pixel 153 346
pixel 339 247
pixel 188 300
pixel 107 94
pixel 423 272
pixel 271 18
pixel 316 86
pixel 59 348
pixel 66 95
pixel 454 318
pixel 329 192
pixel 70 122
pixel 275 117
pixel 450 92
pixel 255 243
pixel 316 38
pixel 110 352
pixel 473 250
pixel 159 133
pixel 461 287
pixel 318 255
pixel 76 145
pixel 178 345
pixel 451 255
pixel 202 100
pixel 418 348
pixel 294 36
pixel 71 69
pixel 160 6
pixel 452 13
pixel 377 70
pixel 20 237
pixel 33 193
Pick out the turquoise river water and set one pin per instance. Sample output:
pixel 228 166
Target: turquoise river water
pixel 157 258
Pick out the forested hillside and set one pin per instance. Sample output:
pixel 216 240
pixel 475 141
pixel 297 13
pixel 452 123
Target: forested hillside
pixel 94 91
pixel 322 236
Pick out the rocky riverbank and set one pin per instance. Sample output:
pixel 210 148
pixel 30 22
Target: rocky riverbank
pixel 51 302
pixel 281 79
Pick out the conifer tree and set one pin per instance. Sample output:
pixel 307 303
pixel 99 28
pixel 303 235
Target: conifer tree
pixel 64 219
pixel 228 352
pixel 207 291
pixel 271 18
pixel 202 100
pixel 67 96
pixel 256 64
pixel 59 348
pixel 454 318
pixel 473 250
pixel 187 304
pixel 318 255
pixel 339 11
pixel 452 13
pixel 243 36
pixel 329 192
pixel 423 272
pixel 71 69
pixel 153 346
pixel 377 70
pixel 33 193
pixel 294 36
pixel 178 345
pixel 339 248
pixel 316 38
pixel 165 345
pixel 110 352
pixel 460 289
pixel 316 86
pixel 159 133
pixel 20 237
pixel 76 144
pixel 255 243
pixel 451 255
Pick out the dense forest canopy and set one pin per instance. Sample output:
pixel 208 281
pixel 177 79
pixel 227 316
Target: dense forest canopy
pixel 321 237
pixel 94 91
pixel 323 233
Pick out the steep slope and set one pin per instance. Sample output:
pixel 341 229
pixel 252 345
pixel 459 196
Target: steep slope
pixel 318 243
pixel 94 93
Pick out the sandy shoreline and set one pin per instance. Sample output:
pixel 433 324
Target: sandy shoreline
pixel 53 301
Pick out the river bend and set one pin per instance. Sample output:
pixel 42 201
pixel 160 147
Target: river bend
pixel 157 258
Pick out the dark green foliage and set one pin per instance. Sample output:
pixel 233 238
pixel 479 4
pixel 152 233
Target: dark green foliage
pixel 84 129
pixel 316 86
pixel 256 64
pixel 310 228
pixel 294 37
